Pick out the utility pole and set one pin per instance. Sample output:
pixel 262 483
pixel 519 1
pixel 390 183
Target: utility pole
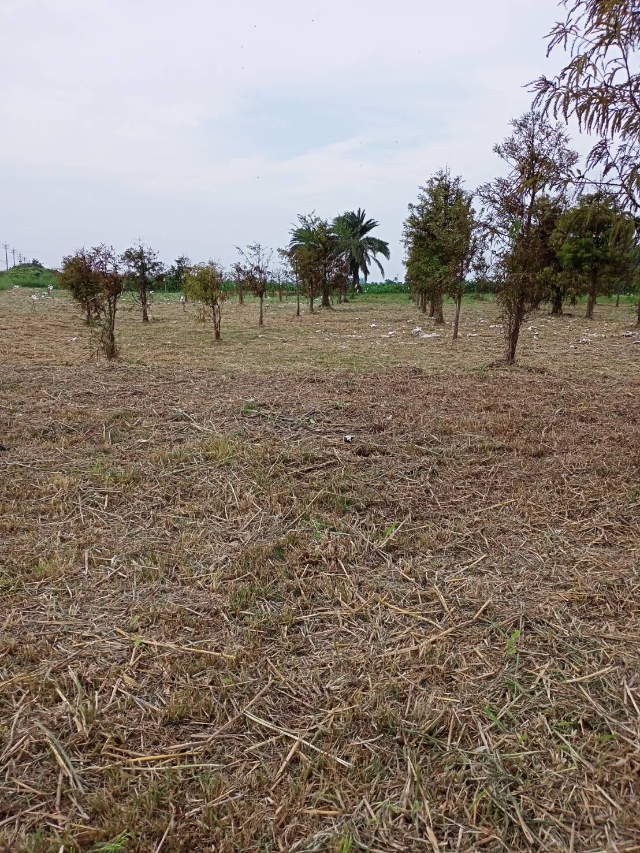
pixel 13 252
pixel 5 246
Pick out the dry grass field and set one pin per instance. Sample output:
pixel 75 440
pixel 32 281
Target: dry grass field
pixel 224 627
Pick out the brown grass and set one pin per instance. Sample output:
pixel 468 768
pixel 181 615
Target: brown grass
pixel 225 628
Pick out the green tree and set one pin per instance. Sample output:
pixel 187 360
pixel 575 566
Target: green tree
pixel 320 253
pixel 540 163
pixel 353 230
pixel 204 284
pixel 600 86
pixel 595 244
pixel 441 237
pixel 78 276
pixel 553 282
pixel 255 272
pixel 176 276
pixel 143 271
pixel 290 270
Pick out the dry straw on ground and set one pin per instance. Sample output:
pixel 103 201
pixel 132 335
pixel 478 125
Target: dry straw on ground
pixel 225 628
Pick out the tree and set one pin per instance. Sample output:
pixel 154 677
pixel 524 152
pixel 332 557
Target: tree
pixel 78 276
pixel 95 281
pixel 105 263
pixel 204 284
pixel 176 276
pixel 540 163
pixel 595 243
pixel 359 249
pixel 600 86
pixel 309 274
pixel 238 274
pixel 320 253
pixel 255 272
pixel 442 241
pixel 552 280
pixel 143 270
pixel 291 271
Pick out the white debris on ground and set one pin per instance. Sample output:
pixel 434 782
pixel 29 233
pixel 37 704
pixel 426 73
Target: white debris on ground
pixel 424 336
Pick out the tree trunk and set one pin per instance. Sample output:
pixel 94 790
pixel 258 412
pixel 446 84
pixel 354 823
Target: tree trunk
pixel 438 312
pixel 617 300
pixel 109 330
pixel 88 309
pixel 456 321
pixel 110 344
pixel 311 298
pixel 326 302
pixel 638 323
pixel 240 295
pixel 591 302
pixel 144 299
pixel 355 281
pixel 297 297
pixel 261 323
pixel 574 301
pixel 513 331
pixel 556 302
pixel 423 302
pixel 279 294
pixel 432 304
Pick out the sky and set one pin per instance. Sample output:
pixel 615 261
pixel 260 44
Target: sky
pixel 202 125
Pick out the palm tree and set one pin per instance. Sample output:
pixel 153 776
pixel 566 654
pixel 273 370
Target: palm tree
pixel 359 249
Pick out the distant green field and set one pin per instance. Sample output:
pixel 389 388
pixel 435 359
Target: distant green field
pixel 27 275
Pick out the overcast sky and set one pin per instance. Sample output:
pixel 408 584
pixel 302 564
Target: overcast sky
pixel 202 124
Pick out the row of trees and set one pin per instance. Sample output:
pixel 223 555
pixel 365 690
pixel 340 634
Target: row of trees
pixel 547 231
pixel 325 259
pixel 544 231
pixel 535 236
